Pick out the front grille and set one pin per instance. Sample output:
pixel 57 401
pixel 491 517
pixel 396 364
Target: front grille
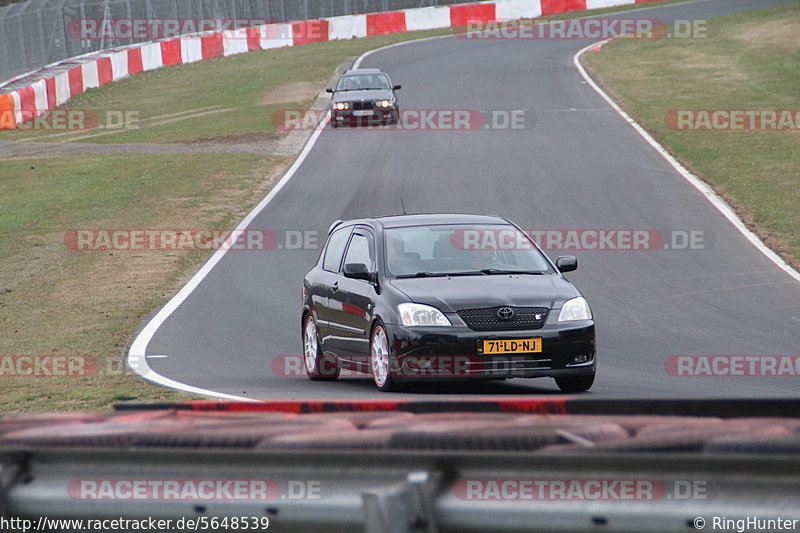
pixel 369 104
pixel 486 319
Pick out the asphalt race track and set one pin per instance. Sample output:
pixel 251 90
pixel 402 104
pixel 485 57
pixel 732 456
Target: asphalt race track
pixel 576 164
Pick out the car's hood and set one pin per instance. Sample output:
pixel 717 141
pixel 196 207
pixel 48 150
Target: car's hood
pixel 372 94
pixel 468 292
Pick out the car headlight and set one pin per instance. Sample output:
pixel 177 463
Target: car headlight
pixel 342 105
pixel 575 309
pixel 421 315
pixel 385 103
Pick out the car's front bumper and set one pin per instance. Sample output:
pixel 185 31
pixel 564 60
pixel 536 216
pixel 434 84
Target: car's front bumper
pixel 348 116
pixel 452 352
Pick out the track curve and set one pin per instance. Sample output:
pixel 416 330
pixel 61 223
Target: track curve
pixel 577 165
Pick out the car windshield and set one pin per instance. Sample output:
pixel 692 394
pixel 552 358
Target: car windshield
pixel 460 249
pixel 363 82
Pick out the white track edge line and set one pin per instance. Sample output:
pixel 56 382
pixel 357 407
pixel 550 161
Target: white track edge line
pixel 717 201
pixel 136 354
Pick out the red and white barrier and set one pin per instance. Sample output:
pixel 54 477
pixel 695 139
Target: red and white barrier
pixel 552 7
pixel 191 49
pixel 280 35
pixel 74 76
pixel 427 18
pixel 518 9
pixel 119 65
pixel 62 92
pixel 171 52
pixel 234 42
pixel 347 27
pixel 599 4
pixel 382 23
pixel 89 75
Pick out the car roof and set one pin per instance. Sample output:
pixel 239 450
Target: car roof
pixel 423 219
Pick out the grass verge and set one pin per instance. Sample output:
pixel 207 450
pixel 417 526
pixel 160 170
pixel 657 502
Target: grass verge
pixel 747 61
pixel 59 302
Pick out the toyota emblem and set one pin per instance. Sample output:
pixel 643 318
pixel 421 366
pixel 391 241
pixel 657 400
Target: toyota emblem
pixel 505 313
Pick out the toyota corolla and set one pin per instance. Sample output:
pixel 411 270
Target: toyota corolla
pixel 414 297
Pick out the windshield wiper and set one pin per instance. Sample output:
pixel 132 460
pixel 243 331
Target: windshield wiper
pixel 490 271
pixel 421 275
pixel 439 274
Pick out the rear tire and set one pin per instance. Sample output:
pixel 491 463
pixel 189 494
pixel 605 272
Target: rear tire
pixel 318 367
pixel 575 383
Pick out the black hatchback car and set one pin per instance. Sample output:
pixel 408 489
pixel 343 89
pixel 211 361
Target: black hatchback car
pixel 364 96
pixel 440 296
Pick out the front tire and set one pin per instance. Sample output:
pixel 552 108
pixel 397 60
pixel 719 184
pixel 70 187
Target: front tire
pixel 380 359
pixel 318 367
pixel 575 383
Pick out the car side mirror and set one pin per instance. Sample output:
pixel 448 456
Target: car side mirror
pixel 396 87
pixel 566 263
pixel 358 271
pixel 328 90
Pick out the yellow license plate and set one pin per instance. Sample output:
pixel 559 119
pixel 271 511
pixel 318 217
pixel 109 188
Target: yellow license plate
pixel 501 346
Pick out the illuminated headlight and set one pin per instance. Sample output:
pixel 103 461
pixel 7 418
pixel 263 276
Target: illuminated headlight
pixel 575 309
pixel 421 315
pixel 342 105
pixel 385 103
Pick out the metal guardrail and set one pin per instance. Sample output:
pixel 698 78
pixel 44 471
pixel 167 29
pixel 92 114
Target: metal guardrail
pixel 401 491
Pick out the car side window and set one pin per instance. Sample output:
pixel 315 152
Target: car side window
pixel 360 251
pixel 335 249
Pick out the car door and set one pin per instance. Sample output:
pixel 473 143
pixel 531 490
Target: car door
pixel 354 299
pixel 326 284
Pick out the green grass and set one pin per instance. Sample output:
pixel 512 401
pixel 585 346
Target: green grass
pixel 749 61
pixel 57 301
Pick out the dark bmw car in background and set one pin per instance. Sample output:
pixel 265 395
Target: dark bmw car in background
pixel 364 96
pixel 415 297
